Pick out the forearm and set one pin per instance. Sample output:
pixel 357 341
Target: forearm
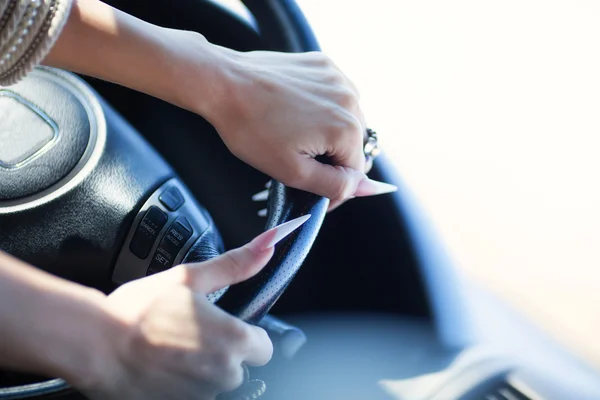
pixel 106 43
pixel 51 326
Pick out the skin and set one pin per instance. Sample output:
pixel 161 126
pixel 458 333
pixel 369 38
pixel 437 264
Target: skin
pixel 275 111
pixel 153 338
pixel 158 337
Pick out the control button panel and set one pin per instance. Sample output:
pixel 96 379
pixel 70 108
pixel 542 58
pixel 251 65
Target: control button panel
pixel 147 232
pixel 175 238
pixel 165 228
pixel 172 198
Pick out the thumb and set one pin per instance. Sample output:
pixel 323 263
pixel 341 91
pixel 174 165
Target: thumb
pixel 337 183
pixel 239 264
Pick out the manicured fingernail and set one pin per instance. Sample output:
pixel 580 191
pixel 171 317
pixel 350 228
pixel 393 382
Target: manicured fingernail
pixel 273 236
pixel 369 187
pixel 262 213
pixel 268 184
pixel 261 196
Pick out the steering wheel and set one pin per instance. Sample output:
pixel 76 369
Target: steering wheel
pixel 85 197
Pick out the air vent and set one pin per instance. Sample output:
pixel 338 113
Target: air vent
pixel 498 388
pixel 504 391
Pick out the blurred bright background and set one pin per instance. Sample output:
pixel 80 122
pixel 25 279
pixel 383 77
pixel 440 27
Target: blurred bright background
pixel 491 112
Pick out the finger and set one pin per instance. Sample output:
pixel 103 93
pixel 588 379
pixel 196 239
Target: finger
pixel 239 264
pixel 350 84
pixel 229 378
pixel 227 269
pixel 335 204
pixel 368 164
pixel 261 196
pixel 344 138
pixel 259 347
pixel 337 183
pixel 363 123
pixel 348 150
pixel 370 187
pixel 331 78
pixel 232 343
pixel 323 60
pixel 249 343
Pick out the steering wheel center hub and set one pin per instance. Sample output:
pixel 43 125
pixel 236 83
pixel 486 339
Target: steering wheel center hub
pixel 51 129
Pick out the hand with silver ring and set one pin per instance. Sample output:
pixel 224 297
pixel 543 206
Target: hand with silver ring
pixel 276 111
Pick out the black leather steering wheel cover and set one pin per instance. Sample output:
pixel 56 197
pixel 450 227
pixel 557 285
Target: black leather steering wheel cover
pixel 251 300
pixel 41 390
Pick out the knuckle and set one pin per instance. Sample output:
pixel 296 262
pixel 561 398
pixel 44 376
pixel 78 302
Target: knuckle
pixel 347 98
pixel 236 269
pixel 337 193
pixel 222 359
pixel 222 370
pixel 355 131
pixel 335 130
pixel 338 126
pixel 144 342
pixel 357 134
pixel 205 368
pixel 357 93
pixel 336 78
pixel 368 165
pixel 322 59
pixel 297 176
pixel 155 351
pixel 339 190
pixel 238 332
pixel 315 58
pixel 264 338
pixel 345 127
pixel 328 62
pixel 233 377
pixel 315 55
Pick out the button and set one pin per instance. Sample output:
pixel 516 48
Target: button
pixel 175 238
pixel 172 198
pixel 147 232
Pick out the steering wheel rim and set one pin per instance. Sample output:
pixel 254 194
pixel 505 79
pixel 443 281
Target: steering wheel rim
pixel 284 28
pixel 252 299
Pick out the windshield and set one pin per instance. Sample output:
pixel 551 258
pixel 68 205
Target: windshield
pixel 490 112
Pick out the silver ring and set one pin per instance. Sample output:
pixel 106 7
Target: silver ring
pixel 371 148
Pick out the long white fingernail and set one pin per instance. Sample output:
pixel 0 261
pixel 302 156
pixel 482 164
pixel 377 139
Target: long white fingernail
pixel 285 229
pixel 273 236
pixel 261 196
pixel 369 187
pixel 262 213
pixel 268 184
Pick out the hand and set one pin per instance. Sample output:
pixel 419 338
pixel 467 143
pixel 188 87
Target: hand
pixel 278 111
pixel 176 345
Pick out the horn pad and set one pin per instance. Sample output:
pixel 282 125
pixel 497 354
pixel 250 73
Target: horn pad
pixel 44 132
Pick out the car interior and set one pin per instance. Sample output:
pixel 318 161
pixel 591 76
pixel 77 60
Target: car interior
pixel 360 303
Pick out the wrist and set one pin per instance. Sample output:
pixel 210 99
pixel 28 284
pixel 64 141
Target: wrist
pixel 203 77
pixel 57 329
pixel 90 360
